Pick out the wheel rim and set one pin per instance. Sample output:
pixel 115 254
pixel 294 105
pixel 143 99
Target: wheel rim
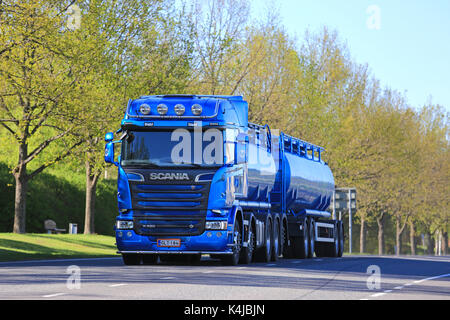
pixel 311 238
pixel 276 241
pixel 269 239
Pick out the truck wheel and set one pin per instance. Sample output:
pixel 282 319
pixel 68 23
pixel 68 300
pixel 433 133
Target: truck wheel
pixel 247 252
pixel 284 242
pixel 150 259
pixel 275 240
pixel 341 238
pixel 264 253
pixel 334 246
pixel 300 245
pixel 312 237
pixel 131 259
pixel 233 259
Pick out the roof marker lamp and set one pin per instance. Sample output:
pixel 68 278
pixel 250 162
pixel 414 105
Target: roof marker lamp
pixel 162 109
pixel 144 109
pixel 196 109
pixel 179 109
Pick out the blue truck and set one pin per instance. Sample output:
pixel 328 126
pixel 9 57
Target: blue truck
pixel 195 177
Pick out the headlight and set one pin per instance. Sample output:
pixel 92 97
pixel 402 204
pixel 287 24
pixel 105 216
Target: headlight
pixel 124 224
pixel 196 109
pixel 144 109
pixel 179 109
pixel 216 225
pixel 162 109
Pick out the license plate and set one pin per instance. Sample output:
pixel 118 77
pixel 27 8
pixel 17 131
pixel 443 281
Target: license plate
pixel 168 242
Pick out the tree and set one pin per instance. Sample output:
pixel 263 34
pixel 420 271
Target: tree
pixel 36 78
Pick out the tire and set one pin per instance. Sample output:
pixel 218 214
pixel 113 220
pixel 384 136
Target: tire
pixel 334 246
pixel 276 240
pixel 131 259
pixel 149 259
pixel 285 241
pixel 312 237
pixel 248 252
pixel 341 238
pixel 300 245
pixel 321 250
pixel 264 254
pixel 233 259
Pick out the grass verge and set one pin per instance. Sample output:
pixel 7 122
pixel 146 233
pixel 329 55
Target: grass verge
pixel 35 246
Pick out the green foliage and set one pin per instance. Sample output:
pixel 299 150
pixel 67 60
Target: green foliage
pixel 58 194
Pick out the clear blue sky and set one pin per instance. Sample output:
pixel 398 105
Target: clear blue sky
pixel 410 52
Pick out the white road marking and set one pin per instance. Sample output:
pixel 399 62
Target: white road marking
pixel 378 294
pixel 167 278
pixel 53 295
pixel 432 278
pixel 410 284
pixel 270 264
pixel 117 285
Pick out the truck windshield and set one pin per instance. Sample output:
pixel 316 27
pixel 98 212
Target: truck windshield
pixel 172 148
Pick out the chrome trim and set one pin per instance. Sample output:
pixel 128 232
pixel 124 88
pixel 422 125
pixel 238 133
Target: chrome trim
pixel 138 174
pixel 175 252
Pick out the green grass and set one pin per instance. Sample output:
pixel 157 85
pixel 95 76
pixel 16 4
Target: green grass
pixel 33 246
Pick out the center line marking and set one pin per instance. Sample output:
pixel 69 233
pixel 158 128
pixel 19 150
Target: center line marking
pixel 167 278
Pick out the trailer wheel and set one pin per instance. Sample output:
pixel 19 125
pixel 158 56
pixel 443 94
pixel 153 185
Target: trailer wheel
pixel 312 237
pixel 275 239
pixel 131 259
pixel 284 241
pixel 233 259
pixel 341 238
pixel 334 246
pixel 300 245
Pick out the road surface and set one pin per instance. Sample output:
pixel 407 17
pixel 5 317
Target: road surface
pixel 350 277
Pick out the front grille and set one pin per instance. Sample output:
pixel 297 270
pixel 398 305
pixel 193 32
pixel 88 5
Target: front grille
pixel 169 207
pixel 189 224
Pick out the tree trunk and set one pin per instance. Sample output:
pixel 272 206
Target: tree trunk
pixel 21 178
pixel 444 243
pixel 428 243
pixel 362 237
pixel 91 187
pixel 380 222
pixel 412 238
pixel 20 201
pixel 398 237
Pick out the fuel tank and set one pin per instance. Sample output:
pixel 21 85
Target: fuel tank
pixel 282 172
pixel 309 184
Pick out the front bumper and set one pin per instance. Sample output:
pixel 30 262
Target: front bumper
pixel 209 242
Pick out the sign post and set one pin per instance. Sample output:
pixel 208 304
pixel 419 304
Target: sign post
pixel 344 199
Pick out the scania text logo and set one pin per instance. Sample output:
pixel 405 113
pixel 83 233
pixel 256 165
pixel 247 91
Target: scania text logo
pixel 168 176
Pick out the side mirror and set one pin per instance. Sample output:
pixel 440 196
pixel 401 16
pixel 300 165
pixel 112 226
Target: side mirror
pixel 109 153
pixel 109 137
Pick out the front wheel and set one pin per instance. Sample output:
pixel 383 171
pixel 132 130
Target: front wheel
pixel 233 259
pixel 249 250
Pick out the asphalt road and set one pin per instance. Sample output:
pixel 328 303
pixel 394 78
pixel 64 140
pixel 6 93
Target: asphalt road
pixel 314 279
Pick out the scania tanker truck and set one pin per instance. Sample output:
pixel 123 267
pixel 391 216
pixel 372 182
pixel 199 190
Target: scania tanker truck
pixel 195 178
